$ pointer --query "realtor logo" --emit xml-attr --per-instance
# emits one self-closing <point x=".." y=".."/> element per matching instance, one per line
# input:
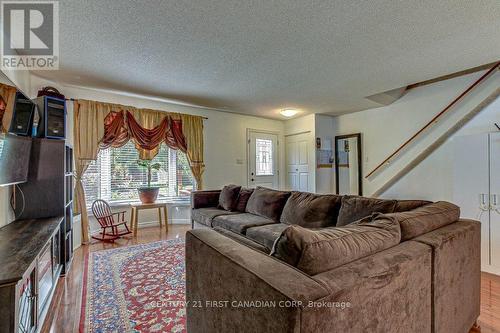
<point x="30" y="35"/>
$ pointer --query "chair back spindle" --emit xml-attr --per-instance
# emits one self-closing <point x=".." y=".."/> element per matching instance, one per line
<point x="110" y="228"/>
<point x="102" y="213"/>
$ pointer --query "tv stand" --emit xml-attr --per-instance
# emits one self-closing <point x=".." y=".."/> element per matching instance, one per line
<point x="31" y="262"/>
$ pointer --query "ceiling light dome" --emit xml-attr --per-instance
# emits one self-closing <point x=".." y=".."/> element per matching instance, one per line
<point x="288" y="112"/>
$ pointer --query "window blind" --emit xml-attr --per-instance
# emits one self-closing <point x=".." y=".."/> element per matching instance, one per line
<point x="115" y="175"/>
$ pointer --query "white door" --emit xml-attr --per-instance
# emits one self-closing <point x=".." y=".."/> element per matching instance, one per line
<point x="297" y="162"/>
<point x="495" y="202"/>
<point x="263" y="160"/>
<point x="471" y="185"/>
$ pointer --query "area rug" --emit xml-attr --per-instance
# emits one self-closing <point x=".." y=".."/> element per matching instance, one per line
<point x="137" y="288"/>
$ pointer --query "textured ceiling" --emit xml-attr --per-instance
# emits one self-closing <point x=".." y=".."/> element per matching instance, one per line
<point x="256" y="57"/>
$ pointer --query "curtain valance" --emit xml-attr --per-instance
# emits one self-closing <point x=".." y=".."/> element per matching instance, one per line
<point x="100" y="125"/>
<point x="120" y="127"/>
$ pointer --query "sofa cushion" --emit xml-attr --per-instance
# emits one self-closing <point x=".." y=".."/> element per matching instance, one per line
<point x="228" y="198"/>
<point x="245" y="194"/>
<point x="267" y="203"/>
<point x="311" y="210"/>
<point x="242" y="239"/>
<point x="316" y="251"/>
<point x="240" y="223"/>
<point x="354" y="208"/>
<point x="425" y="219"/>
<point x="406" y="205"/>
<point x="266" y="235"/>
<point x="206" y="215"/>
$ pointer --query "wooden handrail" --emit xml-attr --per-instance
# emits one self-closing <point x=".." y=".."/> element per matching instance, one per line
<point x="407" y="142"/>
<point x="436" y="144"/>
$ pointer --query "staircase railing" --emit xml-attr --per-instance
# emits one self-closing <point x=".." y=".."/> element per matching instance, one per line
<point x="434" y="120"/>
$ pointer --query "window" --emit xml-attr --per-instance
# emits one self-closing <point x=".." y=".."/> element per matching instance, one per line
<point x="115" y="175"/>
<point x="264" y="157"/>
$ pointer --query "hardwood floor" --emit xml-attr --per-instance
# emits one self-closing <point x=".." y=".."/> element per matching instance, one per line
<point x="66" y="305"/>
<point x="489" y="320"/>
<point x="65" y="308"/>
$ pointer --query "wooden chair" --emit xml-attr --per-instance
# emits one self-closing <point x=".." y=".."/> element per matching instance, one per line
<point x="106" y="219"/>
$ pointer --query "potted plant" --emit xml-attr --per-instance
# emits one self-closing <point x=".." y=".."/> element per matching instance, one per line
<point x="148" y="194"/>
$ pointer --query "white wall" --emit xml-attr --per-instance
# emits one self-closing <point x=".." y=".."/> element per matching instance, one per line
<point x="384" y="129"/>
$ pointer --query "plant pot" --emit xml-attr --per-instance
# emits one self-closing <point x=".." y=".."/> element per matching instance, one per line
<point x="148" y="195"/>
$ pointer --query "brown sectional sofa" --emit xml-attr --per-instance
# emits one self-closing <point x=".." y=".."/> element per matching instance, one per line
<point x="281" y="261"/>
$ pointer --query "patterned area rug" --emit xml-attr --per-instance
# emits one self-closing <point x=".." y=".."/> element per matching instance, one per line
<point x="137" y="288"/>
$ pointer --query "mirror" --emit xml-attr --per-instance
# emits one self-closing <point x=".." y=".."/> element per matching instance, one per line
<point x="348" y="164"/>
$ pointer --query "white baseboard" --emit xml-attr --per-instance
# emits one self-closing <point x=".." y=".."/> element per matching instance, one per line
<point x="491" y="269"/>
<point x="150" y="223"/>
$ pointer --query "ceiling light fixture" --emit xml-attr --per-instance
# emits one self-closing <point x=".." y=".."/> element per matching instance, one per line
<point x="288" y="112"/>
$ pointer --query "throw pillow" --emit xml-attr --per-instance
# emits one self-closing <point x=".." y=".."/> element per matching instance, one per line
<point x="228" y="198"/>
<point x="354" y="208"/>
<point x="245" y="194"/>
<point x="267" y="203"/>
<point x="311" y="210"/>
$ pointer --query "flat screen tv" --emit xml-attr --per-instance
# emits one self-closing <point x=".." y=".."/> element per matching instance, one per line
<point x="14" y="159"/>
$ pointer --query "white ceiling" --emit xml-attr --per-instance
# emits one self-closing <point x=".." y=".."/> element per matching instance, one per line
<point x="256" y="57"/>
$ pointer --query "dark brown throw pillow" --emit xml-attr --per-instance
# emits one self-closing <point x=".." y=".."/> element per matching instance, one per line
<point x="267" y="203"/>
<point x="311" y="210"/>
<point x="354" y="208"/>
<point x="228" y="198"/>
<point x="245" y="194"/>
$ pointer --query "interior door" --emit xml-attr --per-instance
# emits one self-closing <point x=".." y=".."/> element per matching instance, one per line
<point x="263" y="160"/>
<point x="494" y="148"/>
<point x="471" y="185"/>
<point x="297" y="162"/>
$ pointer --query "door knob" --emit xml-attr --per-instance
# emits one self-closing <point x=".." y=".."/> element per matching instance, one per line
<point x="252" y="179"/>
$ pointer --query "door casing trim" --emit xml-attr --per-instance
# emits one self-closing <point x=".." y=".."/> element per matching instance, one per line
<point x="253" y="130"/>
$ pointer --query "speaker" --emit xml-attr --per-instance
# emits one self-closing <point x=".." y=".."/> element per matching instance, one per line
<point x="42" y="195"/>
<point x="22" y="116"/>
<point x="52" y="118"/>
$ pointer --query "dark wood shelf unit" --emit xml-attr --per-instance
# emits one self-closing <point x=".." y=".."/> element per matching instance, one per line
<point x="31" y="265"/>
<point x="67" y="231"/>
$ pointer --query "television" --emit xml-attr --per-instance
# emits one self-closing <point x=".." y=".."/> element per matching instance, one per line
<point x="14" y="159"/>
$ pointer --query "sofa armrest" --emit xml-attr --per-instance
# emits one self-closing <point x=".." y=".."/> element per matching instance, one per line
<point x="389" y="291"/>
<point x="233" y="288"/>
<point x="203" y="199"/>
<point x="456" y="276"/>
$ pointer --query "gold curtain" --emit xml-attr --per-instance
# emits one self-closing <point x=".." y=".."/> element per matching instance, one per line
<point x="8" y="94"/>
<point x="89" y="118"/>
<point x="88" y="130"/>
<point x="192" y="127"/>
